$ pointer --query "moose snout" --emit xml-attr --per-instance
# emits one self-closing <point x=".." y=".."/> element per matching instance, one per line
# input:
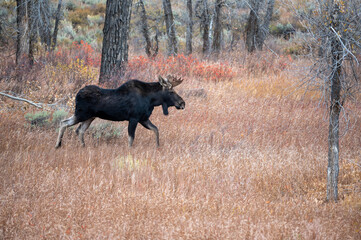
<point x="181" y="105"/>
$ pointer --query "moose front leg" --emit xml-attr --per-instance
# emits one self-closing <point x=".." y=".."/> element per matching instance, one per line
<point x="149" y="125"/>
<point x="131" y="131"/>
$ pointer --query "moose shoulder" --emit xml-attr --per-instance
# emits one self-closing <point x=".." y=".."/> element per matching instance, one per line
<point x="133" y="101"/>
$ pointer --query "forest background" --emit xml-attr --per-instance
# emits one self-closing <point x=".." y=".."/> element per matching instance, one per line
<point x="246" y="159"/>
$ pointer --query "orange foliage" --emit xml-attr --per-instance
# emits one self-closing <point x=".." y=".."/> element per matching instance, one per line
<point x="79" y="50"/>
<point x="183" y="66"/>
<point x="214" y="72"/>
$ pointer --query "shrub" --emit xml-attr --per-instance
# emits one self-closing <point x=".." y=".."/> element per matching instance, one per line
<point x="79" y="50"/>
<point x="276" y="29"/>
<point x="58" y="116"/>
<point x="79" y="16"/>
<point x="214" y="72"/>
<point x="296" y="49"/>
<point x="85" y="52"/>
<point x="39" y="119"/>
<point x="93" y="2"/>
<point x="95" y="20"/>
<point x="183" y="66"/>
<point x="106" y="131"/>
<point x="281" y="29"/>
<point x="68" y="31"/>
<point x="99" y="8"/>
<point x="70" y="5"/>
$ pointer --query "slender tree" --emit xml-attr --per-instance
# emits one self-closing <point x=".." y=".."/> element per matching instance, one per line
<point x="216" y="46"/>
<point x="115" y="40"/>
<point x="33" y="21"/>
<point x="234" y="24"/>
<point x="257" y="27"/>
<point x="144" y="28"/>
<point x="202" y="12"/>
<point x="335" y="108"/>
<point x="189" y="33"/>
<point x="150" y="50"/>
<point x="21" y="40"/>
<point x="333" y="27"/>
<point x="56" y="26"/>
<point x="170" y="28"/>
<point x="252" y="26"/>
<point x="43" y="18"/>
<point x="263" y="30"/>
<point x="32" y="33"/>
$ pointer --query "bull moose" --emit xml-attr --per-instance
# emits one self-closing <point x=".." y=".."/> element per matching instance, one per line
<point x="133" y="101"/>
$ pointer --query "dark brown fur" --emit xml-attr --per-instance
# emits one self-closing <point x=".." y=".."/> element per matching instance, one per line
<point x="133" y="101"/>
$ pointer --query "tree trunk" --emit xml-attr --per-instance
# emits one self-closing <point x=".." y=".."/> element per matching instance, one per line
<point x="115" y="40"/>
<point x="335" y="109"/>
<point x="21" y="41"/>
<point x="235" y="37"/>
<point x="156" y="47"/>
<point x="44" y="22"/>
<point x="32" y="30"/>
<point x="333" y="146"/>
<point x="145" y="32"/>
<point x="144" y="28"/>
<point x="169" y="21"/>
<point x="264" y="30"/>
<point x="252" y="27"/>
<point x="57" y="20"/>
<point x="217" y="27"/>
<point x="189" y="34"/>
<point x="206" y="45"/>
<point x="210" y="31"/>
<point x="202" y="12"/>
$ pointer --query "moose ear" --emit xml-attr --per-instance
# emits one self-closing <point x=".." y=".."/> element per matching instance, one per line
<point x="164" y="82"/>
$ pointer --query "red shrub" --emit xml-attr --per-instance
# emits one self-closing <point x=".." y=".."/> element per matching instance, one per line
<point x="79" y="50"/>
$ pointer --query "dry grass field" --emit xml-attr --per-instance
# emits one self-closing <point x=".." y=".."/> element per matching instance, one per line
<point x="245" y="160"/>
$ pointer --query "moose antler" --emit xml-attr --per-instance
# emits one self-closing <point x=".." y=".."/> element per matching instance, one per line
<point x="174" y="80"/>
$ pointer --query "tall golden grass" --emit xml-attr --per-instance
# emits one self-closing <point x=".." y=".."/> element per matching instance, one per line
<point x="248" y="161"/>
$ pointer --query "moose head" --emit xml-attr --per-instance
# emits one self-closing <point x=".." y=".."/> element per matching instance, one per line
<point x="170" y="97"/>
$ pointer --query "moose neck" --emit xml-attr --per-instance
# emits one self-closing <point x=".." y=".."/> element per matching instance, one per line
<point x="157" y="98"/>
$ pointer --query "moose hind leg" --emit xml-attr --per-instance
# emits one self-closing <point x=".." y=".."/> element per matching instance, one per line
<point x="82" y="128"/>
<point x="149" y="125"/>
<point x="78" y="128"/>
<point x="63" y="125"/>
<point x="131" y="131"/>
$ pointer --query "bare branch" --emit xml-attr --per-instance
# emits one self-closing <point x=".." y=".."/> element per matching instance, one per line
<point x="21" y="99"/>
<point x="343" y="45"/>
